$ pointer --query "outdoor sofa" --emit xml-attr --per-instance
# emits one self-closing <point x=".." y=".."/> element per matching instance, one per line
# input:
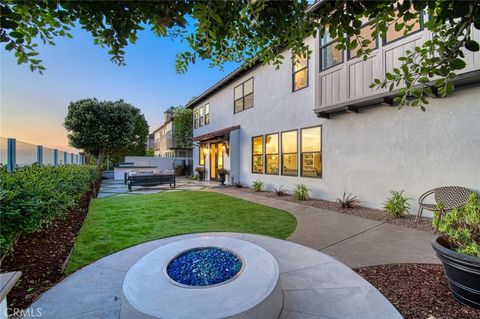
<point x="150" y="178"/>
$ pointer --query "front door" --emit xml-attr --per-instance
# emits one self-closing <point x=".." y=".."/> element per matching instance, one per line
<point x="216" y="160"/>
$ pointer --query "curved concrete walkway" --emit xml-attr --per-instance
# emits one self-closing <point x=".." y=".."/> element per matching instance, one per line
<point x="314" y="285"/>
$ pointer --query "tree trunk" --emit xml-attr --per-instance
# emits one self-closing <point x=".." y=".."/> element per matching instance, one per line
<point x="101" y="157"/>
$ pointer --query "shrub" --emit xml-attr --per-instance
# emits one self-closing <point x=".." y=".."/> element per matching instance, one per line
<point x="281" y="191"/>
<point x="397" y="205"/>
<point x="301" y="192"/>
<point x="347" y="201"/>
<point x="257" y="186"/>
<point x="200" y="169"/>
<point x="32" y="196"/>
<point x="461" y="227"/>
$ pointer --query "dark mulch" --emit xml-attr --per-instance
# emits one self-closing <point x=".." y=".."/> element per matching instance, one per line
<point x="419" y="291"/>
<point x="408" y="221"/>
<point x="40" y="256"/>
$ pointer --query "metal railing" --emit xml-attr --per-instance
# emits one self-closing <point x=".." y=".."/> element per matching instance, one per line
<point x="15" y="154"/>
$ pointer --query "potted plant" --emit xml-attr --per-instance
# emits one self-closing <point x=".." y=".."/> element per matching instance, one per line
<point x="458" y="247"/>
<point x="222" y="173"/>
<point x="201" y="172"/>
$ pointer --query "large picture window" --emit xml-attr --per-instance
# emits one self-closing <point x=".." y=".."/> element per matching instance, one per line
<point x="243" y="96"/>
<point x="365" y="34"/>
<point x="300" y="73"/>
<point x="289" y="153"/>
<point x="201" y="153"/>
<point x="393" y="35"/>
<point x="311" y="151"/>
<point x="271" y="154"/>
<point x="329" y="54"/>
<point x="257" y="154"/>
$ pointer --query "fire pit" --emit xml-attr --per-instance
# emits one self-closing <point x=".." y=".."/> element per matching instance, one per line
<point x="204" y="277"/>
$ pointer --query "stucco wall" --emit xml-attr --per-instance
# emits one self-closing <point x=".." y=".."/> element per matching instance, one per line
<point x="368" y="154"/>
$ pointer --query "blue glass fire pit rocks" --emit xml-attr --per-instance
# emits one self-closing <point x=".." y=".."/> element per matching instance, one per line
<point x="204" y="267"/>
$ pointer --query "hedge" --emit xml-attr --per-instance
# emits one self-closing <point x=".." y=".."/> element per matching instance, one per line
<point x="33" y="196"/>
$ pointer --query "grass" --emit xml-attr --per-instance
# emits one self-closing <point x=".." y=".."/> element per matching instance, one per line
<point x="119" y="222"/>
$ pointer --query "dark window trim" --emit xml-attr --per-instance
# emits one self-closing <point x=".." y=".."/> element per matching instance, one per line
<point x="320" y="55"/>
<point x="243" y="96"/>
<point x="282" y="153"/>
<point x="321" y="153"/>
<point x="295" y="72"/>
<point x="376" y="42"/>
<point x="263" y="154"/>
<point x="421" y="21"/>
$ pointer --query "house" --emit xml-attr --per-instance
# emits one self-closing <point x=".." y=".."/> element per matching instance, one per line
<point x="164" y="142"/>
<point x="317" y="122"/>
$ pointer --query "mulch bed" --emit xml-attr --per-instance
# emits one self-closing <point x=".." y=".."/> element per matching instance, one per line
<point x="418" y="291"/>
<point x="40" y="256"/>
<point x="408" y="221"/>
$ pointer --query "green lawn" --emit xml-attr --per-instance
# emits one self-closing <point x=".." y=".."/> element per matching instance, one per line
<point x="119" y="222"/>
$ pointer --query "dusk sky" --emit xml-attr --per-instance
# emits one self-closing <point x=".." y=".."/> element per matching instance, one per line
<point x="33" y="106"/>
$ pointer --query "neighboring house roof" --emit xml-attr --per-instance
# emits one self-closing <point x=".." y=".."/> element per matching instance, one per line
<point x="214" y="134"/>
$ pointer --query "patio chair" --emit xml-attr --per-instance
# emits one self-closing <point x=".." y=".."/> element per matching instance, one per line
<point x="450" y="196"/>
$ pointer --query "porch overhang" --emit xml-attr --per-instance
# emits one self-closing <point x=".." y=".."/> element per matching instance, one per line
<point x="223" y="133"/>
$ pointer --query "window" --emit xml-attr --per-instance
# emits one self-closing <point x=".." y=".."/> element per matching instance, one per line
<point x="300" y="73"/>
<point x="200" y="116"/>
<point x="195" y="119"/>
<point x="257" y="154"/>
<point x="207" y="114"/>
<point x="243" y="96"/>
<point x="271" y="154"/>
<point x="201" y="154"/>
<point x="393" y="35"/>
<point x="289" y="153"/>
<point x="311" y="148"/>
<point x="329" y="55"/>
<point x="365" y="34"/>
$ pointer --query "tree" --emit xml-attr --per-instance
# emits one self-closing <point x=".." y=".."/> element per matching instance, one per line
<point x="255" y="30"/>
<point x="150" y="152"/>
<point x="101" y="127"/>
<point x="183" y="130"/>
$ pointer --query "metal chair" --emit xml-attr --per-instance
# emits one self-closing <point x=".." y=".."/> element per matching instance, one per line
<point x="450" y="196"/>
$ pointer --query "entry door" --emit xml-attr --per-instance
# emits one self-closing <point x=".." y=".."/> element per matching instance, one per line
<point x="216" y="160"/>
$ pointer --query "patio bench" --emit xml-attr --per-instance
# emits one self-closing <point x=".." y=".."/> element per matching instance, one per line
<point x="450" y="196"/>
<point x="150" y="180"/>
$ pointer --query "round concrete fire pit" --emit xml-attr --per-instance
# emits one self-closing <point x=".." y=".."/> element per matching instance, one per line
<point x="203" y="277"/>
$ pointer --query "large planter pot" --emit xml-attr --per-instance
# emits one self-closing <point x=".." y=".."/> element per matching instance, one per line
<point x="462" y="272"/>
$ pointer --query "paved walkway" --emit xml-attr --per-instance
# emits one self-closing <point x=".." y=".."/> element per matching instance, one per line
<point x="314" y="285"/>
<point x="354" y="240"/>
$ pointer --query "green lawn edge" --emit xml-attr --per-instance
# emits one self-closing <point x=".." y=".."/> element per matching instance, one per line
<point x="119" y="222"/>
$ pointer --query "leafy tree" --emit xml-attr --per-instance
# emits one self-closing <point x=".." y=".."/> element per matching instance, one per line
<point x="183" y="130"/>
<point x="102" y="127"/>
<point x="150" y="152"/>
<point x="255" y="30"/>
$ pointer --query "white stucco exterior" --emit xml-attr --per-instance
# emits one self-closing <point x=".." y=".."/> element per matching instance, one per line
<point x="368" y="154"/>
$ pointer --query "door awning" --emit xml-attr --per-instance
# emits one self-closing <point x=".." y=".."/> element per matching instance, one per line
<point x="215" y="134"/>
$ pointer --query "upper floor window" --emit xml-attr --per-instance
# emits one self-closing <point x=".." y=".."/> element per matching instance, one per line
<point x="243" y="96"/>
<point x="413" y="26"/>
<point x="329" y="54"/>
<point x="289" y="153"/>
<point x="271" y="154"/>
<point x="311" y="151"/>
<point x="195" y="118"/>
<point x="257" y="154"/>
<point x="200" y="116"/>
<point x="300" y="72"/>
<point x="365" y="34"/>
<point x="207" y="113"/>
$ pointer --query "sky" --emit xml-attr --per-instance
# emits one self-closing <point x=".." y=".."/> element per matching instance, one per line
<point x="33" y="106"/>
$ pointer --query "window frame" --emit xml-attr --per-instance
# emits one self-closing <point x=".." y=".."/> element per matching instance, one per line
<point x="349" y="57"/>
<point x="243" y="95"/>
<point x="295" y="72"/>
<point x="195" y="118"/>
<point x="262" y="155"/>
<point x="265" y="153"/>
<point x="282" y="153"/>
<point x="321" y="153"/>
<point x="206" y="115"/>
<point x="321" y="47"/>
<point x="200" y="116"/>
<point x="421" y="20"/>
